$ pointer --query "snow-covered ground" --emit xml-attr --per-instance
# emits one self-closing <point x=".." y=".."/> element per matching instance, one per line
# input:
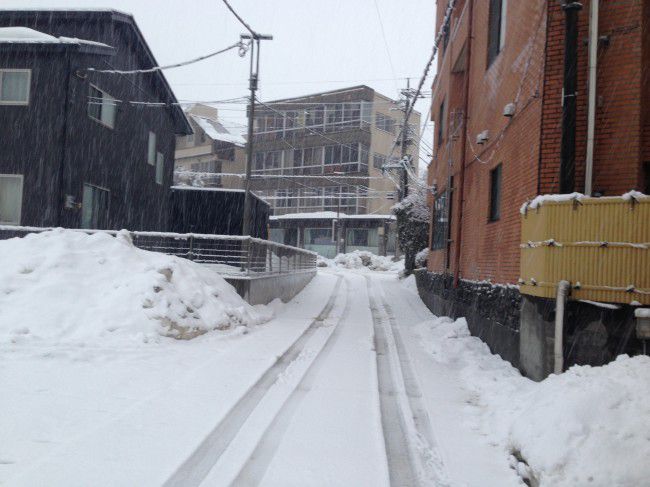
<point x="353" y="382"/>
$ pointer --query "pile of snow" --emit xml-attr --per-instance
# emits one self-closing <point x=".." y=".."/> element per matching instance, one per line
<point x="360" y="259"/>
<point x="588" y="426"/>
<point x="66" y="286"/>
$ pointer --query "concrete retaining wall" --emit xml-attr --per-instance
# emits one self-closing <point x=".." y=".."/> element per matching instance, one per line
<point x="263" y="290"/>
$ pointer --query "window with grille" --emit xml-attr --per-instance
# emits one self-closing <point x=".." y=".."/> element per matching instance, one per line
<point x="495" y="193"/>
<point x="496" y="29"/>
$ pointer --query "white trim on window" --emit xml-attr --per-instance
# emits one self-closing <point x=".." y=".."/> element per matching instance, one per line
<point x="17" y="218"/>
<point x="29" y="84"/>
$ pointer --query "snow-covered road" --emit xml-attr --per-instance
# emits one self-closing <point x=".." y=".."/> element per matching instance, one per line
<point x="352" y="383"/>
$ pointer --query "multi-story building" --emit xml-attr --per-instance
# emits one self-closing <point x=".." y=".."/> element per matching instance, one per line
<point x="319" y="160"/>
<point x="528" y="100"/>
<point x="202" y="158"/>
<point x="75" y="151"/>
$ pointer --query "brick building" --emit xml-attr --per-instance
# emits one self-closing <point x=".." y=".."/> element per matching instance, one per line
<point x="498" y="109"/>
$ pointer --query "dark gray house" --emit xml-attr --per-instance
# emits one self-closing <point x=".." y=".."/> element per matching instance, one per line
<point x="75" y="151"/>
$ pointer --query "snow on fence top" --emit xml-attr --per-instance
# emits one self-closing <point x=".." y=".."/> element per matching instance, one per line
<point x="538" y="201"/>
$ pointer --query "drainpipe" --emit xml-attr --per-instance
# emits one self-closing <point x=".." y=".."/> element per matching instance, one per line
<point x="591" y="110"/>
<point x="64" y="143"/>
<point x="563" y="288"/>
<point x="568" y="153"/>
<point x="463" y="156"/>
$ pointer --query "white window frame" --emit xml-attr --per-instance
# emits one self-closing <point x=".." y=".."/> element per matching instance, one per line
<point x="151" y="148"/>
<point x="29" y="87"/>
<point x="20" y="177"/>
<point x="99" y="120"/>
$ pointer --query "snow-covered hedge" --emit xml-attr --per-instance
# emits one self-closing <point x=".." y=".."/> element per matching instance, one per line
<point x="64" y="286"/>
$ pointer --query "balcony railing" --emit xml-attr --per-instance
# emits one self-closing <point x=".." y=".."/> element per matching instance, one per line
<point x="600" y="245"/>
<point x="232" y="256"/>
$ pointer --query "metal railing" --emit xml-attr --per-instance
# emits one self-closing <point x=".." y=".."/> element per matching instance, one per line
<point x="229" y="255"/>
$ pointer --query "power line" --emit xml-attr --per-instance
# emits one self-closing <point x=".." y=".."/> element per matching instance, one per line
<point x="383" y="34"/>
<point x="241" y="21"/>
<point x="243" y="47"/>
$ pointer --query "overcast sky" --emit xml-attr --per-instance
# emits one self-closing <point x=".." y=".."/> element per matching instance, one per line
<point x="318" y="44"/>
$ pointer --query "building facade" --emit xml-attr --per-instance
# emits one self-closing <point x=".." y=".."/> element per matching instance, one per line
<point x="322" y="156"/>
<point x="211" y="155"/>
<point x="79" y="153"/>
<point x="512" y="114"/>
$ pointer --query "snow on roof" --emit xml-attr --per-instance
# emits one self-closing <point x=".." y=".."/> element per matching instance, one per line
<point x="25" y="35"/>
<point x="216" y="131"/>
<point x="222" y="190"/>
<point x="326" y="215"/>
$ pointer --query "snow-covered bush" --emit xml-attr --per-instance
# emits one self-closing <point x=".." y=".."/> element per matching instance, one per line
<point x="413" y="217"/>
<point x="421" y="258"/>
<point x="360" y="259"/>
<point x="65" y="286"/>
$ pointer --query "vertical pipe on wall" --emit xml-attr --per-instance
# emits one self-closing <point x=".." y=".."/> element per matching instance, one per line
<point x="568" y="151"/>
<point x="591" y="111"/>
<point x="463" y="143"/>
<point x="558" y="343"/>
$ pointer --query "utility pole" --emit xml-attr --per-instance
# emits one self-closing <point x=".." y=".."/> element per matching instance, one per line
<point x="408" y="95"/>
<point x="253" y="82"/>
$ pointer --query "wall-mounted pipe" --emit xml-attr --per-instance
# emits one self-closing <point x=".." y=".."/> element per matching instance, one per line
<point x="591" y="108"/>
<point x="563" y="288"/>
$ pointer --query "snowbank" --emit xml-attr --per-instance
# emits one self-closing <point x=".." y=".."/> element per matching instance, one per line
<point x="588" y="426"/>
<point x="360" y="259"/>
<point x="64" y="286"/>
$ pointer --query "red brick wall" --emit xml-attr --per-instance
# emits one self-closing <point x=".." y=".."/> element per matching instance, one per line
<point x="490" y="250"/>
<point x="618" y="148"/>
<point x="531" y="69"/>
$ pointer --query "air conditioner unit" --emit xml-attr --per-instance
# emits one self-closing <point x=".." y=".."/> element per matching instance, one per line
<point x="509" y="110"/>
<point x="483" y="137"/>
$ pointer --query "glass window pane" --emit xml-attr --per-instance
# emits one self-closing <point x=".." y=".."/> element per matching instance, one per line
<point x="15" y="86"/>
<point x="11" y="199"/>
<point x="160" y="167"/>
<point x="151" y="155"/>
<point x="109" y="109"/>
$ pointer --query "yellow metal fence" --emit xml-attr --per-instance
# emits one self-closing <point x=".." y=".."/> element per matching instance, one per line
<point x="600" y="245"/>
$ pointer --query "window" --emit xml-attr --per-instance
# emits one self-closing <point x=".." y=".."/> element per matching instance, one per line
<point x="11" y="198"/>
<point x="385" y="123"/>
<point x="14" y="86"/>
<point x="440" y="221"/>
<point x="378" y="161"/>
<point x="333" y="154"/>
<point x="358" y="237"/>
<point x="495" y="193"/>
<point x="189" y="139"/>
<point x="496" y="29"/>
<point x="318" y="236"/>
<point x="160" y="167"/>
<point x="102" y="107"/>
<point x="151" y="152"/>
<point x="94" y="213"/>
<point x="441" y="123"/>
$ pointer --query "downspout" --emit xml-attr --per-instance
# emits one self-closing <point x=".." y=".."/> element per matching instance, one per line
<point x="563" y="288"/>
<point x="568" y="152"/>
<point x="64" y="143"/>
<point x="463" y="160"/>
<point x="591" y="110"/>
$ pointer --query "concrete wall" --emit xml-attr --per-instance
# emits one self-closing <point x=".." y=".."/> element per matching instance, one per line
<point x="263" y="290"/>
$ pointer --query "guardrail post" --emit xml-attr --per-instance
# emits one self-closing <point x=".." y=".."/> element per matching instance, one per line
<point x="249" y="257"/>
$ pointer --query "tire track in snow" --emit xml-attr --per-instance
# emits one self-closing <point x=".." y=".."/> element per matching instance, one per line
<point x="195" y="468"/>
<point x="253" y="471"/>
<point x="413" y="458"/>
